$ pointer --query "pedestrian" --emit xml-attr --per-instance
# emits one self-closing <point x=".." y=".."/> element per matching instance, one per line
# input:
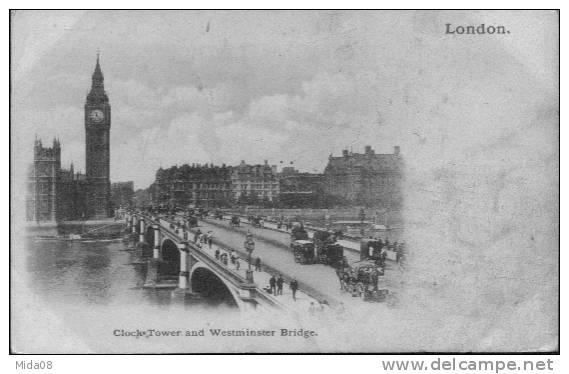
<point x="280" y="282"/>
<point x="237" y="263"/>
<point x="383" y="255"/>
<point x="294" y="288"/>
<point x="340" y="311"/>
<point x="346" y="281"/>
<point x="312" y="308"/>
<point x="258" y="264"/>
<point x="375" y="279"/>
<point x="273" y="284"/>
<point x="209" y="238"/>
<point x="248" y="236"/>
<point x="217" y="254"/>
<point x="232" y="256"/>
<point x="197" y="236"/>
<point x="340" y="274"/>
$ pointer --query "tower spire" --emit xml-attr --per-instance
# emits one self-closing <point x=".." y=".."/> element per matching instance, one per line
<point x="97" y="75"/>
<point x="97" y="94"/>
<point x="97" y="146"/>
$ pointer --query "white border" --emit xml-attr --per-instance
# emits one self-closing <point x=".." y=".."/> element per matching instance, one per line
<point x="240" y="364"/>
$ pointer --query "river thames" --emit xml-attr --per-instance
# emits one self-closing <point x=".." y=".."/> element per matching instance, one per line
<point x="80" y="293"/>
<point x="90" y="274"/>
<point x="87" y="297"/>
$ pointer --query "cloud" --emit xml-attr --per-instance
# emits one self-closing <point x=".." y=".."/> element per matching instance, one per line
<point x="201" y="98"/>
<point x="63" y="122"/>
<point x="241" y="141"/>
<point x="133" y="93"/>
<point x="270" y="110"/>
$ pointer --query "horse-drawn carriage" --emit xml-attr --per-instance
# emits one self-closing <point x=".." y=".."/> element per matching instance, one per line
<point x="202" y="213"/>
<point x="256" y="221"/>
<point x="218" y="214"/>
<point x="235" y="221"/>
<point x="328" y="251"/>
<point x="303" y="251"/>
<point x="192" y="221"/>
<point x="331" y="254"/>
<point x="371" y="249"/>
<point x="298" y="233"/>
<point x="361" y="279"/>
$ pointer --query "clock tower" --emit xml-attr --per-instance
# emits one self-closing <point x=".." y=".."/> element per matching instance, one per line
<point x="97" y="152"/>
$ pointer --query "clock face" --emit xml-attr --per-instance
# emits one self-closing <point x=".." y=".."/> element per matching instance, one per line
<point x="97" y="115"/>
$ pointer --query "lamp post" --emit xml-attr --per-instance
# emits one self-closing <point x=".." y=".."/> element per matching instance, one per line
<point x="386" y="221"/>
<point x="249" y="247"/>
<point x="362" y="219"/>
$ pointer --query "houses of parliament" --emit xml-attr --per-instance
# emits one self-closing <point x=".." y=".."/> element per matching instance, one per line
<point x="56" y="194"/>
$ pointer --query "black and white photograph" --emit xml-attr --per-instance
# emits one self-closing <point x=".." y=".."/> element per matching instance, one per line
<point x="284" y="181"/>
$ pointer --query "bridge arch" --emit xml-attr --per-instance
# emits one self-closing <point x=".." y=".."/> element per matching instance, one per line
<point x="149" y="235"/>
<point x="137" y="225"/>
<point x="170" y="265"/>
<point x="212" y="287"/>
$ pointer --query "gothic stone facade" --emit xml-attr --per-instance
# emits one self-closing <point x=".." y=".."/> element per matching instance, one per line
<point x="55" y="194"/>
<point x="255" y="183"/>
<point x="367" y="179"/>
<point x="199" y="185"/>
<point x="300" y="189"/>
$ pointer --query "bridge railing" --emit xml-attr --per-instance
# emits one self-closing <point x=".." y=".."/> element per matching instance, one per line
<point x="348" y="242"/>
<point x="202" y="255"/>
<point x="223" y="271"/>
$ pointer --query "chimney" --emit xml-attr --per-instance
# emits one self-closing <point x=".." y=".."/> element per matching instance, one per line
<point x="396" y="150"/>
<point x="368" y="150"/>
<point x="345" y="153"/>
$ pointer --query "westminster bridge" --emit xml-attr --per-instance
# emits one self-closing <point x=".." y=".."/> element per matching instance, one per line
<point x="192" y="270"/>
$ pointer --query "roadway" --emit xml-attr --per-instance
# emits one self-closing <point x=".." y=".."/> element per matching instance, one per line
<point x="302" y="301"/>
<point x="349" y="244"/>
<point x="273" y="247"/>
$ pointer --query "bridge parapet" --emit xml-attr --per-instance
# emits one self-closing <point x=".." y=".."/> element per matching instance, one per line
<point x="244" y="291"/>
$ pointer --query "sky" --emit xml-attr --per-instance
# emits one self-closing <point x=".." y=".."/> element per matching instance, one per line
<point x="476" y="117"/>
<point x="223" y="87"/>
